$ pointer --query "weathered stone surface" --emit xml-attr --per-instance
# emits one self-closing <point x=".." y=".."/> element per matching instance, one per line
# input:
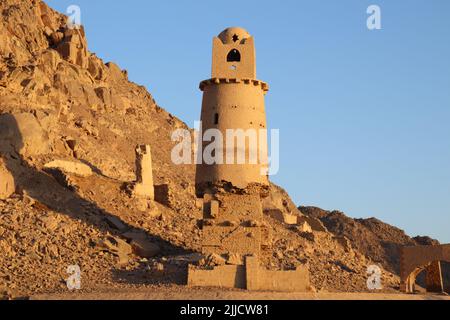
<point x="115" y="72"/>
<point x="22" y="133"/>
<point x="344" y="242"/>
<point x="414" y="259"/>
<point x="246" y="98"/>
<point x="251" y="277"/>
<point x="73" y="47"/>
<point x="50" y="222"/>
<point x="283" y="217"/>
<point x="215" y="259"/>
<point x="144" y="175"/>
<point x="118" y="247"/>
<point x="116" y="223"/>
<point x="304" y="227"/>
<point x="141" y="245"/>
<point x="7" y="183"/>
<point x="50" y="60"/>
<point x="145" y="249"/>
<point x="235" y="259"/>
<point x="434" y="277"/>
<point x="96" y="68"/>
<point x="164" y="195"/>
<point x="76" y="168"/>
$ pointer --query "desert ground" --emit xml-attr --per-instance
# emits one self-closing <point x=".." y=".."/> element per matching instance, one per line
<point x="184" y="293"/>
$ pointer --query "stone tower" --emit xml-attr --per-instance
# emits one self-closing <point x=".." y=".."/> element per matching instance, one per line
<point x="234" y="99"/>
<point x="234" y="232"/>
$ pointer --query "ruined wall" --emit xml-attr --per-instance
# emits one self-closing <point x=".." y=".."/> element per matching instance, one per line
<point x="415" y="259"/>
<point x="223" y="276"/>
<point x="251" y="277"/>
<point x="144" y="173"/>
<point x="232" y="224"/>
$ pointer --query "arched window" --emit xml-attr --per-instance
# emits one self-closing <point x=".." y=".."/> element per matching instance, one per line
<point x="234" y="56"/>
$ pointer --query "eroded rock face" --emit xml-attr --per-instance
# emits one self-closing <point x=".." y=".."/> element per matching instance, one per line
<point x="73" y="46"/>
<point x="7" y="185"/>
<point x="23" y="134"/>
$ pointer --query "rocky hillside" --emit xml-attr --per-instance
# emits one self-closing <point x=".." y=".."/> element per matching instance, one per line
<point x="69" y="125"/>
<point x="372" y="237"/>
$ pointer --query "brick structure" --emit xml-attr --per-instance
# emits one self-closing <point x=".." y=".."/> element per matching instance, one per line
<point x="231" y="192"/>
<point x="414" y="260"/>
<point x="233" y="99"/>
<point x="232" y="224"/>
<point x="251" y="277"/>
<point x="143" y="187"/>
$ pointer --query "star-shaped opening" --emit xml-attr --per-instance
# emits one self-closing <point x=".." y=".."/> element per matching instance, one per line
<point x="235" y="38"/>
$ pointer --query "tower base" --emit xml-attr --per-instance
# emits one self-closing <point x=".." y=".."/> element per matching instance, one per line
<point x="250" y="277"/>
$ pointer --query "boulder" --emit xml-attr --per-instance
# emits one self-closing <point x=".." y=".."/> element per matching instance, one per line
<point x="118" y="247"/>
<point x="76" y="168"/>
<point x="23" y="134"/>
<point x="141" y="245"/>
<point x="144" y="248"/>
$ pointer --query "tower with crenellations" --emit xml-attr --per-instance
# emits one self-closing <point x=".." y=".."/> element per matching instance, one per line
<point x="233" y="103"/>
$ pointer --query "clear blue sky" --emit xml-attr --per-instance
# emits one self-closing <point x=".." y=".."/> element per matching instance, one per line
<point x="364" y="116"/>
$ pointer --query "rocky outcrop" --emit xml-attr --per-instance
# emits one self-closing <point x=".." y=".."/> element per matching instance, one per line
<point x="22" y="133"/>
<point x="372" y="237"/>
<point x="377" y="240"/>
<point x="72" y="46"/>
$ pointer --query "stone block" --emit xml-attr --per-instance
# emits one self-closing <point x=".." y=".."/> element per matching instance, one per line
<point x="251" y="277"/>
<point x="224" y="240"/>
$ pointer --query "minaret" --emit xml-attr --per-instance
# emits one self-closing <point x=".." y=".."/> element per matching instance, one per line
<point x="233" y="226"/>
<point x="234" y="99"/>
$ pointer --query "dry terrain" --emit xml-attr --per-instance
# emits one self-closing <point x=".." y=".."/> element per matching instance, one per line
<point x="60" y="102"/>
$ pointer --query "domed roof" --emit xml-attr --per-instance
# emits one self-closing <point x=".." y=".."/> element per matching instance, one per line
<point x="233" y="35"/>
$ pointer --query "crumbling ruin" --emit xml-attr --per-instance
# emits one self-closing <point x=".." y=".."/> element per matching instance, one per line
<point x="232" y="193"/>
<point x="143" y="187"/>
<point x="416" y="259"/>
